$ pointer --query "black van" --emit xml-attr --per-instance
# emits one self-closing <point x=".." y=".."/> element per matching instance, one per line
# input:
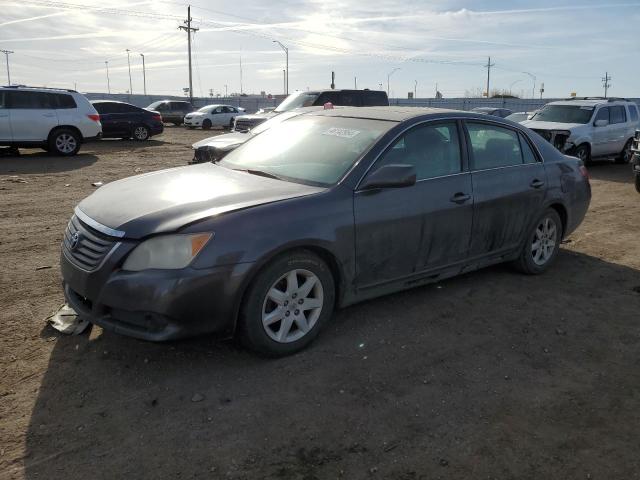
<point x="172" y="111"/>
<point x="347" y="98"/>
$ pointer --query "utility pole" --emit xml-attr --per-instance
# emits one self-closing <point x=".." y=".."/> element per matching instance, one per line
<point x="6" y="54"/>
<point x="188" y="28"/>
<point x="488" y="67"/>
<point x="240" y="75"/>
<point x="286" y="53"/>
<point x="144" y="74"/>
<point x="284" y="81"/>
<point x="355" y="83"/>
<point x="436" y="95"/>
<point x="605" y="83"/>
<point x="129" y="63"/>
<point x="415" y="89"/>
<point x="106" y="64"/>
<point x="225" y="92"/>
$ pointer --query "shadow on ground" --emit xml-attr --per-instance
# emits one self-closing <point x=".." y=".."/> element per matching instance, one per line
<point x="42" y="162"/>
<point x="492" y="374"/>
<point x="608" y="171"/>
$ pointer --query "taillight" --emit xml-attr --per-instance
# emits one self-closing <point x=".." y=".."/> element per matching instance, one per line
<point x="157" y="116"/>
<point x="94" y="116"/>
<point x="584" y="172"/>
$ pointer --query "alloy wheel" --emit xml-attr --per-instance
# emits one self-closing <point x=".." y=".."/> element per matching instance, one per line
<point x="65" y="143"/>
<point x="141" y="133"/>
<point x="544" y="242"/>
<point x="292" y="306"/>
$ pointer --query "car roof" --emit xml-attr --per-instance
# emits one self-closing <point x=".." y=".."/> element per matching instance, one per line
<point x="591" y="102"/>
<point x="110" y="101"/>
<point x="37" y="89"/>
<point x="315" y="92"/>
<point x="393" y="114"/>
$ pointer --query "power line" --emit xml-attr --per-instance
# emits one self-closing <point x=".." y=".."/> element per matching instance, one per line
<point x="606" y="83"/>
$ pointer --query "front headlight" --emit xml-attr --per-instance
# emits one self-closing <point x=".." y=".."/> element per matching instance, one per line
<point x="166" y="251"/>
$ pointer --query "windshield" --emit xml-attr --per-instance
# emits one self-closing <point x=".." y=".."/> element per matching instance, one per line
<point x="154" y="104"/>
<point x="564" y="114"/>
<point x="517" y="117"/>
<point x="313" y="150"/>
<point x="296" y="100"/>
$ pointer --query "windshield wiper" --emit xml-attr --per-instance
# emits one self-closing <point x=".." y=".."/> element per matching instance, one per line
<point x="262" y="173"/>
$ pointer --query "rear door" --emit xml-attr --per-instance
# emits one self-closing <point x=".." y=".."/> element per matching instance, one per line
<point x="31" y="114"/>
<point x="404" y="231"/>
<point x="5" y="125"/>
<point x="602" y="136"/>
<point x="620" y="131"/>
<point x="108" y="118"/>
<point x="509" y="184"/>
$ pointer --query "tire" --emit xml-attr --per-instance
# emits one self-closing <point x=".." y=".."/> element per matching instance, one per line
<point x="140" y="133"/>
<point x="273" y="319"/>
<point x="637" y="183"/>
<point x="626" y="154"/>
<point x="583" y="152"/>
<point x="547" y="234"/>
<point x="230" y="127"/>
<point x="64" y="142"/>
<point x="206" y="124"/>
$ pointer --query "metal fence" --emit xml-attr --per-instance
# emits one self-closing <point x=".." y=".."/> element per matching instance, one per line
<point x="253" y="103"/>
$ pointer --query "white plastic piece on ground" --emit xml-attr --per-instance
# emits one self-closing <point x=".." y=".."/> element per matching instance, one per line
<point x="67" y="321"/>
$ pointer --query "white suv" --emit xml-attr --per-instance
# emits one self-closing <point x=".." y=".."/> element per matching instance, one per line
<point x="589" y="127"/>
<point x="57" y="120"/>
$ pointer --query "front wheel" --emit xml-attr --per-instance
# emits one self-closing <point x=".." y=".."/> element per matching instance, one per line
<point x="287" y="304"/>
<point x="583" y="153"/>
<point x="206" y="125"/>
<point x="542" y="244"/>
<point x="64" y="142"/>
<point x="626" y="154"/>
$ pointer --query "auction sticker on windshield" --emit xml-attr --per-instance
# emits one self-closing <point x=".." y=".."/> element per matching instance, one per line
<point x="341" y="132"/>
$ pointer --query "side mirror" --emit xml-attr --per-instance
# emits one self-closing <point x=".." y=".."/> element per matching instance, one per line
<point x="390" y="176"/>
<point x="601" y="123"/>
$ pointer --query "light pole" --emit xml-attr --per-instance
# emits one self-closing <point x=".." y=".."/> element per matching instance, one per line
<point x="225" y="91"/>
<point x="129" y="63"/>
<point x="144" y="74"/>
<point x="6" y="54"/>
<point x="533" y="77"/>
<point x="286" y="53"/>
<point x="389" y="78"/>
<point x="415" y="89"/>
<point x="106" y="64"/>
<point x="284" y="81"/>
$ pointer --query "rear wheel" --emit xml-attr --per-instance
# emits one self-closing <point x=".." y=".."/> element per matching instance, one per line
<point x="206" y="124"/>
<point x="584" y="154"/>
<point x="140" y="133"/>
<point x="626" y="154"/>
<point x="287" y="304"/>
<point x="542" y="244"/>
<point x="64" y="141"/>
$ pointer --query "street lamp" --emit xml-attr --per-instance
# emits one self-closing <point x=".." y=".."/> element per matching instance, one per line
<point x="106" y="63"/>
<point x="512" y="84"/>
<point x="286" y="53"/>
<point x="129" y="63"/>
<point x="389" y="78"/>
<point x="144" y="74"/>
<point x="533" y="77"/>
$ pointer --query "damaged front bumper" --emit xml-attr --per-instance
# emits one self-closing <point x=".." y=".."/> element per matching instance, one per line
<point x="559" y="139"/>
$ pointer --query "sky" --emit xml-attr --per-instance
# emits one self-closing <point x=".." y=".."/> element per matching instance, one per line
<point x="567" y="45"/>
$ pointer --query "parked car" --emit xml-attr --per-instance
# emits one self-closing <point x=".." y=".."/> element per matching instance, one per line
<point x="214" y="148"/>
<point x="349" y="98"/>
<point x="54" y="119"/>
<point x="213" y="116"/>
<point x="635" y="161"/>
<point x="123" y="120"/>
<point x="322" y="210"/>
<point x="589" y="127"/>
<point x="172" y="111"/>
<point x="520" y="117"/>
<point x="496" y="112"/>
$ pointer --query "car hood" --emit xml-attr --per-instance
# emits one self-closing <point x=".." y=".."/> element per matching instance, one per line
<point x="166" y="200"/>
<point x="257" y="116"/>
<point x="221" y="142"/>
<point x="195" y="114"/>
<point x="533" y="124"/>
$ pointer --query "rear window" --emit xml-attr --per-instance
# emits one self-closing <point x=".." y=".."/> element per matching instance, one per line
<point x="375" y="99"/>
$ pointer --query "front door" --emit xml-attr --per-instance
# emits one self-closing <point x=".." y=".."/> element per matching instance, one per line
<point x="406" y="231"/>
<point x="509" y="184"/>
<point x="32" y="115"/>
<point x="5" y="125"/>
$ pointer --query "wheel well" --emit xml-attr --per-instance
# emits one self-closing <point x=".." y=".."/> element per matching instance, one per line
<point x="562" y="212"/>
<point x="69" y="127"/>
<point x="323" y="253"/>
<point x="585" y="144"/>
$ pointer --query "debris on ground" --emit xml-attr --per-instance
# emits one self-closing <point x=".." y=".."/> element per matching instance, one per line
<point x="97" y="184"/>
<point x="197" y="397"/>
<point x="44" y="267"/>
<point x="15" y="179"/>
<point x="67" y="321"/>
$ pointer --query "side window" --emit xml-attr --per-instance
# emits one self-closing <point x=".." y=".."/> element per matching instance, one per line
<point x="493" y="146"/>
<point x="163" y="107"/>
<point x="124" y="108"/>
<point x="527" y="152"/>
<point x="2" y="102"/>
<point x="28" y="100"/>
<point x="103" y="108"/>
<point x="618" y="114"/>
<point x="62" y="101"/>
<point x="603" y="114"/>
<point x="633" y="113"/>
<point x="226" y="110"/>
<point x="217" y="110"/>
<point x="432" y="149"/>
<point x="232" y="110"/>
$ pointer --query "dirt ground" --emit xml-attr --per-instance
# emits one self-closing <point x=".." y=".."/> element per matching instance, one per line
<point x="489" y="375"/>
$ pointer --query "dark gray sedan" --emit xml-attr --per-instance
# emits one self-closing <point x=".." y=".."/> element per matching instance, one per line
<point x="318" y="212"/>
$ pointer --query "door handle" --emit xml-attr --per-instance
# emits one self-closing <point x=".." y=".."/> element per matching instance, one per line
<point x="536" y="183"/>
<point x="460" y="198"/>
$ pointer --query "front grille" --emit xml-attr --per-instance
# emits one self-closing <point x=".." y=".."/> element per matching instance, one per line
<point x="243" y="125"/>
<point x="91" y="246"/>
<point x="202" y="155"/>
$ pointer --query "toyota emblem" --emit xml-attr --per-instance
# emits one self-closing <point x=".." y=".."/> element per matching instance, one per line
<point x="75" y="240"/>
